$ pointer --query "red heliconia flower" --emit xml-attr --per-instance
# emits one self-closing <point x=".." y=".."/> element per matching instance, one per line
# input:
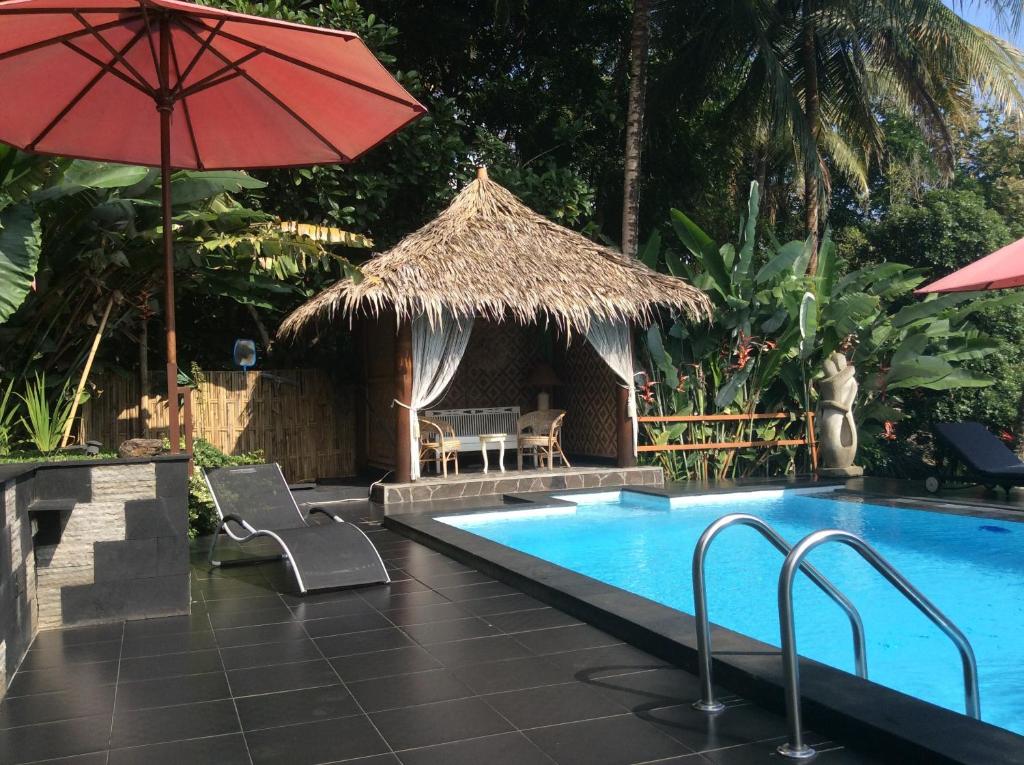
<point x="1007" y="437"/>
<point x="743" y="348"/>
<point x="889" y="431"/>
<point x="646" y="391"/>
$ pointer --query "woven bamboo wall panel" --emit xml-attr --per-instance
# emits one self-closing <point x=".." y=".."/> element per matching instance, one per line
<point x="297" y="418"/>
<point x="498" y="361"/>
<point x="589" y="396"/>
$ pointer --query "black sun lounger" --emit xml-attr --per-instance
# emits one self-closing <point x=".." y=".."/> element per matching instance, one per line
<point x="254" y="501"/>
<point x="986" y="458"/>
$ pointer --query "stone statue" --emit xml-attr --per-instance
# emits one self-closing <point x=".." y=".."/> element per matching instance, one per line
<point x="837" y="434"/>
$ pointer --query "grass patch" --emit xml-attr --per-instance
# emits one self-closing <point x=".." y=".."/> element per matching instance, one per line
<point x="18" y="458"/>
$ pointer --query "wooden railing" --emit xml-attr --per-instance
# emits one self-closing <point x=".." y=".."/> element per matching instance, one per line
<point x="808" y="440"/>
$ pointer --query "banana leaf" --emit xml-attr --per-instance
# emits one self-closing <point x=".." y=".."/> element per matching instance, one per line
<point x="808" y="324"/>
<point x="189" y="186"/>
<point x="650" y="252"/>
<point x="703" y="248"/>
<point x="749" y="228"/>
<point x="929" y="308"/>
<point x="103" y="175"/>
<point x="852" y="311"/>
<point x="783" y="262"/>
<point x="20" y="244"/>
<point x="727" y="394"/>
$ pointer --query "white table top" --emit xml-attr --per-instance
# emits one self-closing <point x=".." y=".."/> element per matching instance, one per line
<point x="492" y="436"/>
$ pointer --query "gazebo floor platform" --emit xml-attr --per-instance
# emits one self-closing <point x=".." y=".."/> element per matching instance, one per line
<point x="478" y="484"/>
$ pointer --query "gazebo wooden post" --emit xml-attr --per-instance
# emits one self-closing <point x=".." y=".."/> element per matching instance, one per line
<point x="403" y="395"/>
<point x="624" y="425"/>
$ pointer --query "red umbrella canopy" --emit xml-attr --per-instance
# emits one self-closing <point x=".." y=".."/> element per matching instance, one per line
<point x="1003" y="268"/>
<point x="86" y="78"/>
<point x="179" y="85"/>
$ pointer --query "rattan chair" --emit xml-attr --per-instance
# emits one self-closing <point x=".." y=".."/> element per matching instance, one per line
<point x="438" y="444"/>
<point x="539" y="434"/>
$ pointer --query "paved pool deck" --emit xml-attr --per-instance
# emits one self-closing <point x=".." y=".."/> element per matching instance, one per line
<point x="443" y="665"/>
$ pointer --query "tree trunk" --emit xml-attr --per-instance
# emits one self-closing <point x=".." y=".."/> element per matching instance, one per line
<point x="812" y="103"/>
<point x="639" y="49"/>
<point x="261" y="329"/>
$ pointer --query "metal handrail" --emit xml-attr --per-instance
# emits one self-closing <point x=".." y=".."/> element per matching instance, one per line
<point x="707" y="702"/>
<point x="795" y="747"/>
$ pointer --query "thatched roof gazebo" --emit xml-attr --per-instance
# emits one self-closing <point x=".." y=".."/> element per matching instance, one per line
<point x="489" y="256"/>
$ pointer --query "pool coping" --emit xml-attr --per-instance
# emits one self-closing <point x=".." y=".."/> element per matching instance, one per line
<point x="883" y="720"/>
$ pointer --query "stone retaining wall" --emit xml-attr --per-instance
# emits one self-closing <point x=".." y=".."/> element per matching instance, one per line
<point x="90" y="542"/>
<point x="433" y="489"/>
<point x="18" y="620"/>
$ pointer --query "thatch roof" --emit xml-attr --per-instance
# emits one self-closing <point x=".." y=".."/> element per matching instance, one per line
<point x="490" y="255"/>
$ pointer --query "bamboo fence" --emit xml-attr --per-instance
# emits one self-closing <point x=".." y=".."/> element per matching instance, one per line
<point x="298" y="418"/>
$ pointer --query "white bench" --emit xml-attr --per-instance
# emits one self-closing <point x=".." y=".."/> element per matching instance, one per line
<point x="469" y="424"/>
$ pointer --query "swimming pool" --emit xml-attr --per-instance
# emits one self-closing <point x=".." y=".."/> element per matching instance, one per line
<point x="972" y="568"/>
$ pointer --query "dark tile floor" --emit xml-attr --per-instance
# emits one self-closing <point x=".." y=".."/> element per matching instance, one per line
<point x="441" y="666"/>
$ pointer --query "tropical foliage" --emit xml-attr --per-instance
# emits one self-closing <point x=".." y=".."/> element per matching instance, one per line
<point x="775" y="323"/>
<point x="808" y="82"/>
<point x="8" y="411"/>
<point x="866" y="109"/>
<point x="80" y="234"/>
<point x="45" y="417"/>
<point x="202" y="513"/>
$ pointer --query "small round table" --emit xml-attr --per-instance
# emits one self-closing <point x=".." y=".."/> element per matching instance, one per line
<point x="488" y="439"/>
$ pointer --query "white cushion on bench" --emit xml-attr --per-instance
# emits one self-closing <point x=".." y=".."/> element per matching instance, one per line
<point x="469" y="424"/>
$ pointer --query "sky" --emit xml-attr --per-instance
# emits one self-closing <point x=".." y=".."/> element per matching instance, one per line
<point x="980" y="14"/>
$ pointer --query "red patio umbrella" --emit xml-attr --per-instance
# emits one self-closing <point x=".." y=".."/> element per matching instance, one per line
<point x="182" y="86"/>
<point x="1003" y="268"/>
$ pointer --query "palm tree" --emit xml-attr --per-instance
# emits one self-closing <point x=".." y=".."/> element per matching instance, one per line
<point x="848" y="61"/>
<point x="811" y="78"/>
<point x="639" y="50"/>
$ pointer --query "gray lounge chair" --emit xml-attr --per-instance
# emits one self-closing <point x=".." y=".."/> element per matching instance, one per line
<point x="255" y="500"/>
<point x="985" y="457"/>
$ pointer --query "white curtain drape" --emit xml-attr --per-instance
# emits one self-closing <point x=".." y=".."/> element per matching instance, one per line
<point x="611" y="341"/>
<point x="437" y="350"/>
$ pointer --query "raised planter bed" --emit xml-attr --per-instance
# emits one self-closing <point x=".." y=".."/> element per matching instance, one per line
<point x="88" y="542"/>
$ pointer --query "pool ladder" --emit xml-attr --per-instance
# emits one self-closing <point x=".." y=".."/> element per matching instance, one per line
<point x="795" y="748"/>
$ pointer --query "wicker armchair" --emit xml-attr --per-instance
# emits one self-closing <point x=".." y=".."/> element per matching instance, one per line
<point x="438" y="444"/>
<point x="539" y="434"/>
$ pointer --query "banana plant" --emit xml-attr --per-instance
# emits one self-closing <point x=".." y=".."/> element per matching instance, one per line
<point x="774" y="324"/>
<point x="73" y="234"/>
<point x="20" y="227"/>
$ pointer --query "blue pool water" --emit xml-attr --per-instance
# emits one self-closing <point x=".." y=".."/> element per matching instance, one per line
<point x="971" y="568"/>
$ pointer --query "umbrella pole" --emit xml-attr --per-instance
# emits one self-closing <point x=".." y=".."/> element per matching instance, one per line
<point x="165" y="107"/>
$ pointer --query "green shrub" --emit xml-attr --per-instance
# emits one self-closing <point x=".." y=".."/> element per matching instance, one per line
<point x="16" y="457"/>
<point x="202" y="514"/>
<point x="774" y="325"/>
<point x="8" y="411"/>
<point x="44" y="425"/>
